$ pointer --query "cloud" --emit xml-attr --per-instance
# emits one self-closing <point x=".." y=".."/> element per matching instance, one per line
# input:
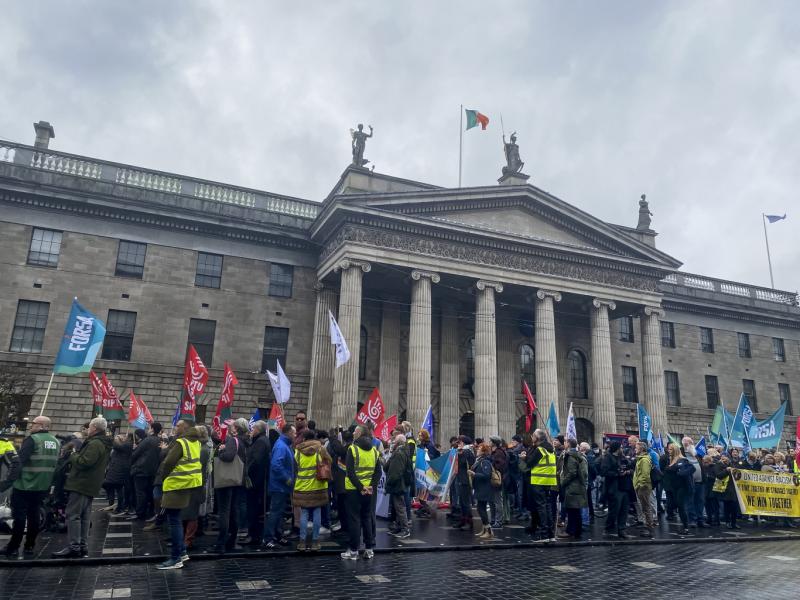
<point x="695" y="104"/>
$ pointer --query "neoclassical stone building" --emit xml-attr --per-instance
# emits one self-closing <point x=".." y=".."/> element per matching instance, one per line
<point x="449" y="297"/>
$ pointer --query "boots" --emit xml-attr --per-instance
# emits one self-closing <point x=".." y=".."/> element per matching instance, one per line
<point x="482" y="533"/>
<point x="486" y="534"/>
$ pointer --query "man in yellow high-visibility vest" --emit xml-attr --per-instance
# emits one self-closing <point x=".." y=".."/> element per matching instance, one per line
<point x="361" y="482"/>
<point x="540" y="464"/>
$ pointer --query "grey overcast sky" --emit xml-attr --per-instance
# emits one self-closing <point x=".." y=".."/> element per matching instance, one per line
<point x="694" y="103"/>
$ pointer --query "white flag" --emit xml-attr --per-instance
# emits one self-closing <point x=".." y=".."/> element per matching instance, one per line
<point x="337" y="339"/>
<point x="284" y="385"/>
<point x="571" y="433"/>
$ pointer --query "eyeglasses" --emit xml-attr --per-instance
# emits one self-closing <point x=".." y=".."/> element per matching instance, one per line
<point x="299" y="418"/>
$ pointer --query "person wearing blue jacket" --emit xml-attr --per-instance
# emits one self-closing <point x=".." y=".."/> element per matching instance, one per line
<point x="281" y="484"/>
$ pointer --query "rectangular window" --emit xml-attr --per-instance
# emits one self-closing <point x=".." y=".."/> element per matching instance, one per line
<point x="29" y="326"/>
<point x="778" y="349"/>
<point x="630" y="392"/>
<point x="749" y="389"/>
<point x="707" y="339"/>
<point x="119" y="335"/>
<point x="209" y="270"/>
<point x="276" y="341"/>
<point x="130" y="259"/>
<point x="626" y="329"/>
<point x="667" y="334"/>
<point x="201" y="336"/>
<point x="785" y="395"/>
<point x="280" y="280"/>
<point x="45" y="248"/>
<point x="673" y="388"/>
<point x="712" y="392"/>
<point x="744" y="345"/>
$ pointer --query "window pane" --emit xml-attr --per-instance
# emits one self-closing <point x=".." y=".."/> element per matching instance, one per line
<point x="29" y="326"/>
<point x="45" y="248"/>
<point x="672" y="388"/>
<point x="785" y="395"/>
<point x="778" y="349"/>
<point x="577" y="374"/>
<point x="629" y="391"/>
<point x="667" y="334"/>
<point x="201" y="336"/>
<point x="749" y="389"/>
<point x="706" y="339"/>
<point x="362" y="354"/>
<point x="118" y="342"/>
<point x="712" y="392"/>
<point x="744" y="345"/>
<point x="280" y="280"/>
<point x="130" y="259"/>
<point x="626" y="329"/>
<point x="527" y="367"/>
<point x="276" y="342"/>
<point x="209" y="270"/>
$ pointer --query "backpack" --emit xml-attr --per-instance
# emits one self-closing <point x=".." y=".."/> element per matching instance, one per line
<point x="497" y="478"/>
<point x="655" y="474"/>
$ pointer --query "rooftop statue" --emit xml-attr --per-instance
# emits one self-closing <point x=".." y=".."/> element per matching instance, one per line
<point x="359" y="143"/>
<point x="514" y="163"/>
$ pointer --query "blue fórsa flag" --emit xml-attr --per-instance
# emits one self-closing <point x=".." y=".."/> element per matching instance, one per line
<point x="427" y="424"/>
<point x="742" y="421"/>
<point x="700" y="447"/>
<point x="552" y="421"/>
<point x="767" y="433"/>
<point x="645" y="425"/>
<point x="82" y="339"/>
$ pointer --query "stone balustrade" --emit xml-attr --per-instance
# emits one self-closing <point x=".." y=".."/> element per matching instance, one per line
<point x="689" y="281"/>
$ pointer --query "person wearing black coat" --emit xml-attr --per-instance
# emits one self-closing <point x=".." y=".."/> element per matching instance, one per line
<point x="482" y="486"/>
<point x="228" y="497"/>
<point x="398" y="468"/>
<point x="722" y="474"/>
<point x="678" y="478"/>
<point x="257" y="466"/>
<point x="117" y="482"/>
<point x="464" y="461"/>
<point x="145" y="459"/>
<point x="617" y="473"/>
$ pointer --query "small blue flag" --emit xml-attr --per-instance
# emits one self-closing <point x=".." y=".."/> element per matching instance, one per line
<point x="427" y="424"/>
<point x="81" y="342"/>
<point x="700" y="447"/>
<point x="552" y="421"/>
<point x="774" y="218"/>
<point x="177" y="416"/>
<point x="657" y="445"/>
<point x="645" y="425"/>
<point x="255" y="417"/>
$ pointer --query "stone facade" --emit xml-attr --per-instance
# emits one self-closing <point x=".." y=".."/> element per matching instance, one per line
<point x="437" y="291"/>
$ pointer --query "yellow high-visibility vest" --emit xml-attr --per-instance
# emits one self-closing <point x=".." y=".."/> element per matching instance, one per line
<point x="544" y="473"/>
<point x="188" y="473"/>
<point x="364" y="461"/>
<point x="306" y="480"/>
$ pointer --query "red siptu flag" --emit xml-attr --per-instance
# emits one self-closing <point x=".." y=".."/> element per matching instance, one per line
<point x="276" y="415"/>
<point x="530" y="406"/>
<point x="138" y="410"/>
<point x="225" y="402"/>
<point x="372" y="410"/>
<point x="112" y="407"/>
<point x="97" y="392"/>
<point x="384" y="431"/>
<point x="195" y="377"/>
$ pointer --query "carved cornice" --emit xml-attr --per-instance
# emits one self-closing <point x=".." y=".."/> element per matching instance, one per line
<point x="349" y="263"/>
<point x="418" y="274"/>
<point x="730" y="314"/>
<point x="601" y="302"/>
<point x="542" y="294"/>
<point x="482" y="284"/>
<point x="545" y="263"/>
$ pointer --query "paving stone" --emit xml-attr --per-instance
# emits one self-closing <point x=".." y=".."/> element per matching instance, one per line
<point x="783" y="558"/>
<point x="121" y="534"/>
<point x="411" y="541"/>
<point x="475" y="573"/>
<point x="565" y="568"/>
<point x="104" y="593"/>
<point x="257" y="584"/>
<point x="117" y="550"/>
<point x="373" y="579"/>
<point x="647" y="565"/>
<point x="121" y="593"/>
<point x="718" y="561"/>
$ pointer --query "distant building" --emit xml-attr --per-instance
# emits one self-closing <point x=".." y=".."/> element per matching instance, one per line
<point x="445" y="296"/>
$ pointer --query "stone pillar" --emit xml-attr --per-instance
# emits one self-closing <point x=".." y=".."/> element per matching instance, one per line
<point x="507" y="412"/>
<point x="419" y="347"/>
<point x="655" y="395"/>
<point x="545" y="354"/>
<point x="486" y="419"/>
<point x="323" y="356"/>
<point x="389" y="376"/>
<point x="449" y="388"/>
<point x="605" y="415"/>
<point x="345" y="379"/>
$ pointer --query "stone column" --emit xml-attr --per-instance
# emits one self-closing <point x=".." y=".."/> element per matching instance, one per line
<point x="419" y="347"/>
<point x="655" y="395"/>
<point x="389" y="376"/>
<point x="507" y="412"/>
<point x="545" y="354"/>
<point x="320" y="388"/>
<point x="345" y="379"/>
<point x="486" y="419"/>
<point x="605" y="415"/>
<point x="449" y="388"/>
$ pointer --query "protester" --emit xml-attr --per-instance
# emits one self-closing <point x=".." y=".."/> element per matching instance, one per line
<point x="281" y="484"/>
<point x="591" y="467"/>
<point x="574" y="481"/>
<point x="229" y="473"/>
<point x="679" y="479"/>
<point x="190" y="516"/>
<point x="30" y="473"/>
<point x="725" y="490"/>
<point x="258" y="458"/>
<point x="697" y="501"/>
<point x="144" y="465"/>
<point x="399" y="476"/>
<point x="87" y="468"/>
<point x="464" y="461"/>
<point x="643" y="485"/>
<point x="709" y="479"/>
<point x="481" y="473"/>
<point x="500" y="464"/>
<point x="618" y="483"/>
<point x="117" y="482"/>
<point x="540" y="462"/>
<point x="363" y="474"/>
<point x="310" y="491"/>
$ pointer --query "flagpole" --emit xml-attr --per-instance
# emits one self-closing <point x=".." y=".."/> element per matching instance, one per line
<point x="769" y="259"/>
<point x="461" y="140"/>
<point x="47" y="393"/>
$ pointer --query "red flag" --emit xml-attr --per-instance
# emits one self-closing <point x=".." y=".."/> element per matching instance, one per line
<point x="112" y="407"/>
<point x="143" y="407"/>
<point x="275" y="415"/>
<point x="195" y="377"/>
<point x="133" y="408"/>
<point x="797" y="445"/>
<point x="530" y="406"/>
<point x="97" y="392"/>
<point x="373" y="410"/>
<point x="225" y="403"/>
<point x="384" y="431"/>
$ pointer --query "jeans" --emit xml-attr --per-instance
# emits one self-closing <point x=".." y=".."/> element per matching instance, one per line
<point x="618" y="504"/>
<point x="227" y="516"/>
<point x="484" y="508"/>
<point x="698" y="503"/>
<point x="497" y="510"/>
<point x="540" y="500"/>
<point x="79" y="510"/>
<point x="361" y="516"/>
<point x="144" y="495"/>
<point x="465" y="502"/>
<point x="175" y="532"/>
<point x="25" y="505"/>
<point x="683" y="500"/>
<point x="315" y="512"/>
<point x="273" y="530"/>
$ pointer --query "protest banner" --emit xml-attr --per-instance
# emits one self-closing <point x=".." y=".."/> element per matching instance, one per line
<point x="767" y="494"/>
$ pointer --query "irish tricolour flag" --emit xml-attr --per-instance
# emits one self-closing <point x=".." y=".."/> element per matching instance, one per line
<point x="475" y="118"/>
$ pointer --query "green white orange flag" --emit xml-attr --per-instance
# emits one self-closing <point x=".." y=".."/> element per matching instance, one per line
<point x="475" y="118"/>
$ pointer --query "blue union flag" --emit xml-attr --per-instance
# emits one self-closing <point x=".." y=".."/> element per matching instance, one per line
<point x="81" y="342"/>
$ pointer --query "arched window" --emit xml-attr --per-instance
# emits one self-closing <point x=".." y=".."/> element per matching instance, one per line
<point x="362" y="355"/>
<point x="471" y="360"/>
<point x="527" y="365"/>
<point x="576" y="365"/>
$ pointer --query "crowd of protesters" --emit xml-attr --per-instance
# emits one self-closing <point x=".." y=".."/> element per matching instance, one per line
<point x="259" y="480"/>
